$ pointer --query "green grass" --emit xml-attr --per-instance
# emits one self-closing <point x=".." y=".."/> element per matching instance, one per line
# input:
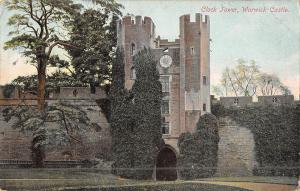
<point x="257" y="179"/>
<point x="18" y="179"/>
<point x="98" y="180"/>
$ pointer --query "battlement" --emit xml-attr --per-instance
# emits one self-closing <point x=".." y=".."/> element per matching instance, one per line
<point x="135" y="22"/>
<point x="161" y="43"/>
<point x="261" y="100"/>
<point x="198" y="19"/>
<point x="65" y="93"/>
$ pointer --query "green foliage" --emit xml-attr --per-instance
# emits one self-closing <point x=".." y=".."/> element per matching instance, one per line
<point x="67" y="124"/>
<point x="95" y="32"/>
<point x="136" y="117"/>
<point x="147" y="103"/>
<point x="121" y="119"/>
<point x="276" y="135"/>
<point x="199" y="150"/>
<point x="8" y="90"/>
<point x="53" y="82"/>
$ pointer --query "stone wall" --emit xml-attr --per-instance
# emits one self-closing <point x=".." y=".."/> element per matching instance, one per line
<point x="236" y="154"/>
<point x="236" y="101"/>
<point x="241" y="101"/>
<point x="16" y="145"/>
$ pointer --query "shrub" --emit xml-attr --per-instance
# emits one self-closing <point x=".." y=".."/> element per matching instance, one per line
<point x="199" y="151"/>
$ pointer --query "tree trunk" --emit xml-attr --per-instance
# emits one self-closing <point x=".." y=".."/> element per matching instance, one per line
<point x="38" y="153"/>
<point x="41" y="83"/>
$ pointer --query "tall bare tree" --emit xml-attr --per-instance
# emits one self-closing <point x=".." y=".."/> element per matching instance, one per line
<point x="246" y="79"/>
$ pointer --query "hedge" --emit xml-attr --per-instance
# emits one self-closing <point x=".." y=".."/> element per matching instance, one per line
<point x="276" y="131"/>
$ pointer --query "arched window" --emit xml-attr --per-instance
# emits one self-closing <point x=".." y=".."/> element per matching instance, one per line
<point x="132" y="49"/>
<point x="132" y="73"/>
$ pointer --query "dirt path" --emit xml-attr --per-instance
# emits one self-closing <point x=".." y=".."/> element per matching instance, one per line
<point x="254" y="186"/>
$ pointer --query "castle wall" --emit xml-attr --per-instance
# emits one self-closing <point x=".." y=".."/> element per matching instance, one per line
<point x="16" y="145"/>
<point x="236" y="154"/>
<point x="236" y="101"/>
<point x="241" y="101"/>
<point x="276" y="99"/>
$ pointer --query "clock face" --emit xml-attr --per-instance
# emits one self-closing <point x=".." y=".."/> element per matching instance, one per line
<point x="165" y="61"/>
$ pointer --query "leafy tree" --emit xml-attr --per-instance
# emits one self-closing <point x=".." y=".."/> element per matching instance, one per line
<point x="36" y="32"/>
<point x="55" y="80"/>
<point x="199" y="150"/>
<point x="245" y="79"/>
<point x="67" y="123"/>
<point x="40" y="27"/>
<point x="147" y="103"/>
<point x="95" y="32"/>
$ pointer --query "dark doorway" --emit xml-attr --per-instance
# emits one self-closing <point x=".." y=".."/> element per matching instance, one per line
<point x="166" y="165"/>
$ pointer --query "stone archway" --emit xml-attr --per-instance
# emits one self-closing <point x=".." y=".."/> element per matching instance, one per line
<point x="166" y="163"/>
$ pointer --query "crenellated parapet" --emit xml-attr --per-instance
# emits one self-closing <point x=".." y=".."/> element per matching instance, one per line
<point x="242" y="101"/>
<point x="134" y="34"/>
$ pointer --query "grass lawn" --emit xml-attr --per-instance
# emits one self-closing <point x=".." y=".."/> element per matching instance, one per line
<point x="257" y="179"/>
<point x="97" y="180"/>
<point x="18" y="179"/>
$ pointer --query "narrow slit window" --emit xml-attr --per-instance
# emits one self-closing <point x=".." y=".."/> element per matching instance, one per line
<point x="132" y="49"/>
<point x="165" y="107"/>
<point x="204" y="107"/>
<point x="204" y="80"/>
<point x="165" y="128"/>
<point x="132" y="73"/>
<point x="192" y="50"/>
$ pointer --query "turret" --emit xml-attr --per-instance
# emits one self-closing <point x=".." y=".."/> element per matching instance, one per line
<point x="194" y="70"/>
<point x="134" y="33"/>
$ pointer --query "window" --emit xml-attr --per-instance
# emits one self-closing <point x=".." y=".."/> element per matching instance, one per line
<point x="165" y="128"/>
<point x="204" y="80"/>
<point x="132" y="73"/>
<point x="132" y="49"/>
<point x="165" y="83"/>
<point x="75" y="93"/>
<point x="93" y="89"/>
<point x="165" y="107"/>
<point x="275" y="99"/>
<point x="192" y="50"/>
<point x="204" y="107"/>
<point x="236" y="101"/>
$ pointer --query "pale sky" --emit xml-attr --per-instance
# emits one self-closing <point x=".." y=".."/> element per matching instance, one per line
<point x="270" y="38"/>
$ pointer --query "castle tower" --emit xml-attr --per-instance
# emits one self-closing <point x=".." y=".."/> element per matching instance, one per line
<point x="134" y="33"/>
<point x="194" y="70"/>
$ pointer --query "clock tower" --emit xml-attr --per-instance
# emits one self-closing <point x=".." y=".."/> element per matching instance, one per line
<point x="183" y="66"/>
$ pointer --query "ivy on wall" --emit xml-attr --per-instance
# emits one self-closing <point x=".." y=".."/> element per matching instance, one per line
<point x="276" y="130"/>
<point x="136" y="118"/>
<point x="199" y="150"/>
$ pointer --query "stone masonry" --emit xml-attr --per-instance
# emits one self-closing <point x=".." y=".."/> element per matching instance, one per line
<point x="183" y="65"/>
<point x="236" y="154"/>
<point x="15" y="145"/>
